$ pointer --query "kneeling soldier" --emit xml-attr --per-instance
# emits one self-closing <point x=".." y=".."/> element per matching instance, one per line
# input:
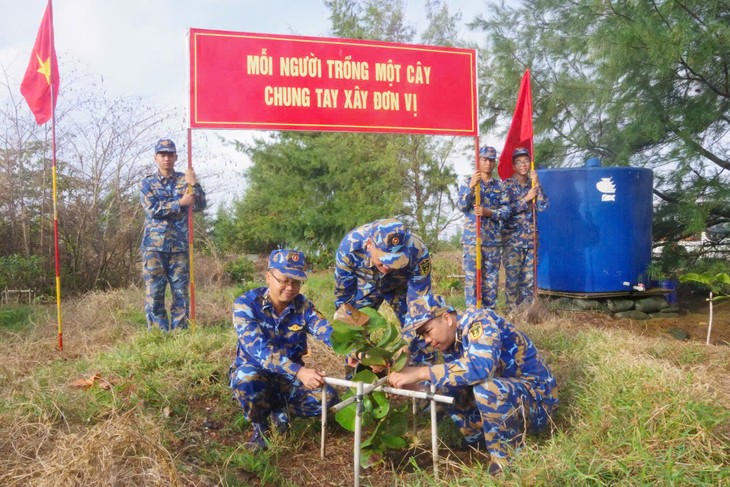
<point x="268" y="376"/>
<point x="500" y="383"/>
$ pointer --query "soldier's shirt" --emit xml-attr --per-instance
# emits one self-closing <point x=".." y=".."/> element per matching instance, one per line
<point x="358" y="281"/>
<point x="493" y="196"/>
<point x="517" y="230"/>
<point x="166" y="223"/>
<point x="276" y="343"/>
<point x="488" y="346"/>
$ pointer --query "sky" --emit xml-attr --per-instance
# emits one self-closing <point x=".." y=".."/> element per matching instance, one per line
<point x="140" y="48"/>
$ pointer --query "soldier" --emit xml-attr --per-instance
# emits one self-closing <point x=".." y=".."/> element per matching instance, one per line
<point x="493" y="210"/>
<point x="502" y="387"/>
<point x="518" y="253"/>
<point x="166" y="196"/>
<point x="268" y="375"/>
<point x="382" y="261"/>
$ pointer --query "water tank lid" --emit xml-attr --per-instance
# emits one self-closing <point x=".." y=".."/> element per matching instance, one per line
<point x="593" y="162"/>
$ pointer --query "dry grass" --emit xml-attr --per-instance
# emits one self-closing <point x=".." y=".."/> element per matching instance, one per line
<point x="124" y="450"/>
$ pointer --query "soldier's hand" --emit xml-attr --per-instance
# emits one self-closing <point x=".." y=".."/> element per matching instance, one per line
<point x="186" y="200"/>
<point x="531" y="195"/>
<point x="408" y="376"/>
<point x="190" y="177"/>
<point x="475" y="179"/>
<point x="310" y="378"/>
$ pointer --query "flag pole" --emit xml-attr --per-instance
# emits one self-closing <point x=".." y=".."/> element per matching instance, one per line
<point x="477" y="202"/>
<point x="534" y="201"/>
<point x="190" y="236"/>
<point x="54" y="172"/>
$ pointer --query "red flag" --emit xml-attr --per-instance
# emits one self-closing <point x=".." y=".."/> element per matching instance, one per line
<point x="520" y="131"/>
<point x="41" y="78"/>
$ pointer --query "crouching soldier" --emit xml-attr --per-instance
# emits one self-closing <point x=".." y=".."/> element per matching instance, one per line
<point x="268" y="376"/>
<point x="502" y="387"/>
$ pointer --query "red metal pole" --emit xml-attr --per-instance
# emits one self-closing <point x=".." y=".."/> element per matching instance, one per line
<point x="190" y="236"/>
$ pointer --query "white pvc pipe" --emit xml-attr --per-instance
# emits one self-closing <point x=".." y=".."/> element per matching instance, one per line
<point x="393" y="390"/>
<point x="434" y="435"/>
<point x="358" y="432"/>
<point x="324" y="422"/>
<point x="709" y="324"/>
<point x="367" y="390"/>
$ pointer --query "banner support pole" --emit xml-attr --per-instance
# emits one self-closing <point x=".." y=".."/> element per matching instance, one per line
<point x="190" y="239"/>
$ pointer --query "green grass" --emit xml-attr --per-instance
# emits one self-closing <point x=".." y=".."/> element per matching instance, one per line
<point x="16" y="318"/>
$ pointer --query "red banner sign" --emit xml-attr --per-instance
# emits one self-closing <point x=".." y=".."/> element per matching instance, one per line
<point x="275" y="82"/>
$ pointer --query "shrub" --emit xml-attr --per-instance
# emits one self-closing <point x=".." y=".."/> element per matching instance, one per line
<point x="240" y="270"/>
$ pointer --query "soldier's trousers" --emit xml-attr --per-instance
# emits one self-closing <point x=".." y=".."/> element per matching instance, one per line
<point x="261" y="393"/>
<point x="502" y="409"/>
<point x="519" y="278"/>
<point x="158" y="270"/>
<point x="490" y="274"/>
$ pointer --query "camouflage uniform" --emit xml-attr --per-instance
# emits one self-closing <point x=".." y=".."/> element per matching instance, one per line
<point x="358" y="281"/>
<point x="501" y="384"/>
<point x="270" y="353"/>
<point x="518" y="254"/>
<point x="494" y="197"/>
<point x="165" y="247"/>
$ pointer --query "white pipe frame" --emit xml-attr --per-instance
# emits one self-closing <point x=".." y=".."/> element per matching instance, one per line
<point x="361" y="390"/>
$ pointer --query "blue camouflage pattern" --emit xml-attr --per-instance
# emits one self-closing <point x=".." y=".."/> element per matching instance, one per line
<point x="290" y="263"/>
<point x="488" y="152"/>
<point x="424" y="309"/>
<point x="158" y="270"/>
<point x="493" y="196"/>
<point x="389" y="237"/>
<point x="166" y="222"/>
<point x="358" y="281"/>
<point x="513" y="388"/>
<point x="270" y="352"/>
<point x="518" y="254"/>
<point x="164" y="248"/>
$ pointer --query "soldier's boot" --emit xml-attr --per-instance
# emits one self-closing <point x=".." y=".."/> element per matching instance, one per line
<point x="280" y="420"/>
<point x="257" y="440"/>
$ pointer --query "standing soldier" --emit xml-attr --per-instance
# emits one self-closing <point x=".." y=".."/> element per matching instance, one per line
<point x="166" y="196"/>
<point x="493" y="210"/>
<point x="518" y="234"/>
<point x="268" y="375"/>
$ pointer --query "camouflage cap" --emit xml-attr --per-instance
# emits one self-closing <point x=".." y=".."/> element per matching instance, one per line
<point x="520" y="151"/>
<point x="488" y="151"/>
<point x="423" y="309"/>
<point x="290" y="263"/>
<point x="389" y="237"/>
<point x="165" y="145"/>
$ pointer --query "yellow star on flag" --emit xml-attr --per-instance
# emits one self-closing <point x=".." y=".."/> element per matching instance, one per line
<point x="44" y="68"/>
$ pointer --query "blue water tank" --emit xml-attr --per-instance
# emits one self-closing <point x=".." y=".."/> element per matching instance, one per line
<point x="595" y="235"/>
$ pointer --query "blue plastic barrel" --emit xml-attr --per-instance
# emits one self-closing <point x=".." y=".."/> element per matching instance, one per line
<point x="595" y="236"/>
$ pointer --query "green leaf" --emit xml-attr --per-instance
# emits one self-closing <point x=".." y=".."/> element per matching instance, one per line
<point x="346" y="417"/>
<point x="376" y="356"/>
<point x="382" y="405"/>
<point x="346" y="330"/>
<point x="694" y="277"/>
<point x="366" y="376"/>
<point x="397" y="421"/>
<point x="370" y="457"/>
<point x="399" y="361"/>
<point x="394" y="442"/>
